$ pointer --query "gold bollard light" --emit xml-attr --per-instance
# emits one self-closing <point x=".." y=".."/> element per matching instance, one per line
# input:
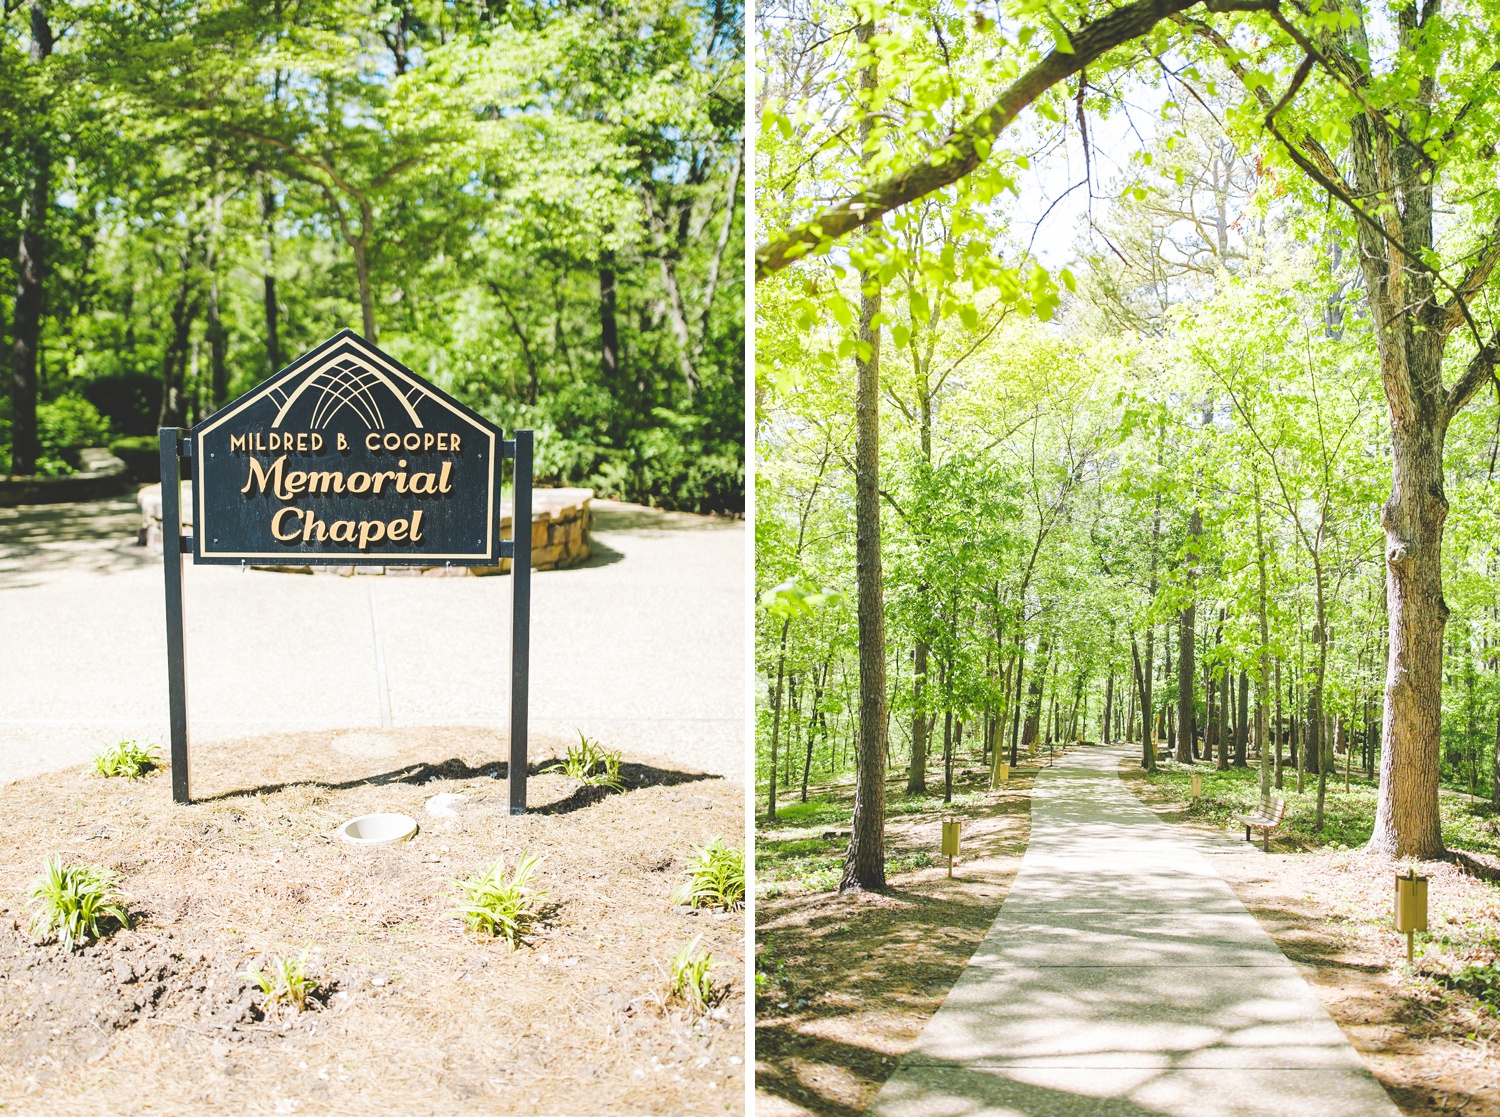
<point x="950" y="841"/>
<point x="1005" y="771"/>
<point x="1197" y="782"/>
<point x="1411" y="907"/>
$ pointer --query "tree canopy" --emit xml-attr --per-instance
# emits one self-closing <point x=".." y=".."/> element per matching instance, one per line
<point x="538" y="206"/>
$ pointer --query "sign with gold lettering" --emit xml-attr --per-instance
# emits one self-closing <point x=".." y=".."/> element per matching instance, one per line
<point x="346" y="457"/>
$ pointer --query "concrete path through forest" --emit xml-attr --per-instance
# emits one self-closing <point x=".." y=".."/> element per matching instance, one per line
<point x="1123" y="978"/>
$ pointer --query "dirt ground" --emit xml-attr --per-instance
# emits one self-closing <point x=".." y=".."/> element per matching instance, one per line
<point x="848" y="982"/>
<point x="1434" y="1048"/>
<point x="417" y="1014"/>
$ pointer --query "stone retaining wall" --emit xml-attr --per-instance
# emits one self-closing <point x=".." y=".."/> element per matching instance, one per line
<point x="102" y="476"/>
<point x="560" y="523"/>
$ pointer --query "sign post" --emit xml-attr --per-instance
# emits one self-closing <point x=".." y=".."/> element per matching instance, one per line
<point x="347" y="458"/>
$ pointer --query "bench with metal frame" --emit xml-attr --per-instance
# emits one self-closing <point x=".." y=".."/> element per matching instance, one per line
<point x="1267" y="818"/>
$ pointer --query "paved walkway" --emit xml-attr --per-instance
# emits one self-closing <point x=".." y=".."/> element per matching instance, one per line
<point x="1122" y="978"/>
<point x="642" y="648"/>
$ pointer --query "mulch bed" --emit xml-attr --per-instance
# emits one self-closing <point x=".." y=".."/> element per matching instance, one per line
<point x="416" y="1014"/>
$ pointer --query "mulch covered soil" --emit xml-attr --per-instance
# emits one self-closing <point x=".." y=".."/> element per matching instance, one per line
<point x="1434" y="1047"/>
<point x="416" y="1014"/>
<point x="847" y="983"/>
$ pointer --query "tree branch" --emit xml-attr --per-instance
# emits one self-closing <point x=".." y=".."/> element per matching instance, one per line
<point x="969" y="146"/>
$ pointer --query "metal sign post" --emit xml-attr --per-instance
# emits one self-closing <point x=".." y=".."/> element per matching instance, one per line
<point x="171" y="553"/>
<point x="520" y="618"/>
<point x="347" y="458"/>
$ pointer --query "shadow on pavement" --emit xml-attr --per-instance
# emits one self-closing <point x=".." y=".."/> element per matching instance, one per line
<point x="610" y="516"/>
<point x="96" y="536"/>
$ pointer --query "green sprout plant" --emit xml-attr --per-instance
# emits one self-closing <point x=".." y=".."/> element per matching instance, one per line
<point x="690" y="981"/>
<point x="501" y="903"/>
<point x="285" y="981"/>
<point x="73" y="901"/>
<point x="590" y="764"/>
<point x="128" y="759"/>
<point x="715" y="878"/>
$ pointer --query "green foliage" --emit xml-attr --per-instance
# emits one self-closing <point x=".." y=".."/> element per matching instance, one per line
<point x="715" y="878"/>
<point x="285" y="981"/>
<point x="64" y="426"/>
<point x="127" y="759"/>
<point x="1349" y="817"/>
<point x="690" y="981"/>
<point x="74" y="901"/>
<point x="588" y="763"/>
<point x="1480" y="981"/>
<point x="141" y="455"/>
<point x="543" y="212"/>
<point x="500" y="902"/>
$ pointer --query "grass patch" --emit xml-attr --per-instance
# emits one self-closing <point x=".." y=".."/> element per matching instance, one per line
<point x="501" y="903"/>
<point x="75" y="902"/>
<point x="285" y="981"/>
<point x="588" y="763"/>
<point x="690" y="981"/>
<point x="1348" y="816"/>
<point x="127" y="759"/>
<point x="715" y="878"/>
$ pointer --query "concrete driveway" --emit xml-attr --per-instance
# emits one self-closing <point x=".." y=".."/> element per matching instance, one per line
<point x="643" y="648"/>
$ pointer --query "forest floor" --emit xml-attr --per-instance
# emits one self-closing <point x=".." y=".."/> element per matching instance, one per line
<point x="845" y="984"/>
<point x="415" y="1013"/>
<point x="1429" y="1032"/>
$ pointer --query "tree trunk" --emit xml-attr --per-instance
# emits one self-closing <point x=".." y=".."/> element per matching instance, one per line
<point x="174" y="359"/>
<point x="215" y="333"/>
<point x="1109" y="709"/>
<point x="609" y="331"/>
<point x="361" y="248"/>
<point x="1186" y="676"/>
<point x="864" y="863"/>
<point x="1407" y="823"/>
<point x="30" y="276"/>
<point x="1015" y="726"/>
<point x="1242" y="722"/>
<point x="1033" y="723"/>
<point x="916" y="776"/>
<point x="947" y="756"/>
<point x="268" y="259"/>
<point x="776" y="720"/>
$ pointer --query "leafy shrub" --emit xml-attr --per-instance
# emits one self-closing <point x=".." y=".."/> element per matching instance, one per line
<point x="716" y="878"/>
<point x="690" y="980"/>
<point x="127" y="759"/>
<point x="285" y="981"/>
<point x="500" y="903"/>
<point x="74" y="901"/>
<point x="587" y="762"/>
<point x="1481" y="981"/>
<point x="64" y="426"/>
<point x="141" y="455"/>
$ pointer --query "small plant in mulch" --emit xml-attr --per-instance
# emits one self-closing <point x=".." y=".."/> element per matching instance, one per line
<point x="500" y="902"/>
<point x="128" y="759"/>
<point x="1480" y="981"/>
<point x="690" y="981"/>
<point x="588" y="763"/>
<point x="715" y="878"/>
<point x="285" y="981"/>
<point x="75" y="902"/>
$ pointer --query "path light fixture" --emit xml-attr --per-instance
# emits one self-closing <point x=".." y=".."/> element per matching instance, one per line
<point x="1411" y="906"/>
<point x="1004" y="772"/>
<point x="950" y="841"/>
<point x="1197" y="782"/>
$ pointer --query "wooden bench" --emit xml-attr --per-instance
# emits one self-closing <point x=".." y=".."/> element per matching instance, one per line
<point x="1267" y="818"/>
